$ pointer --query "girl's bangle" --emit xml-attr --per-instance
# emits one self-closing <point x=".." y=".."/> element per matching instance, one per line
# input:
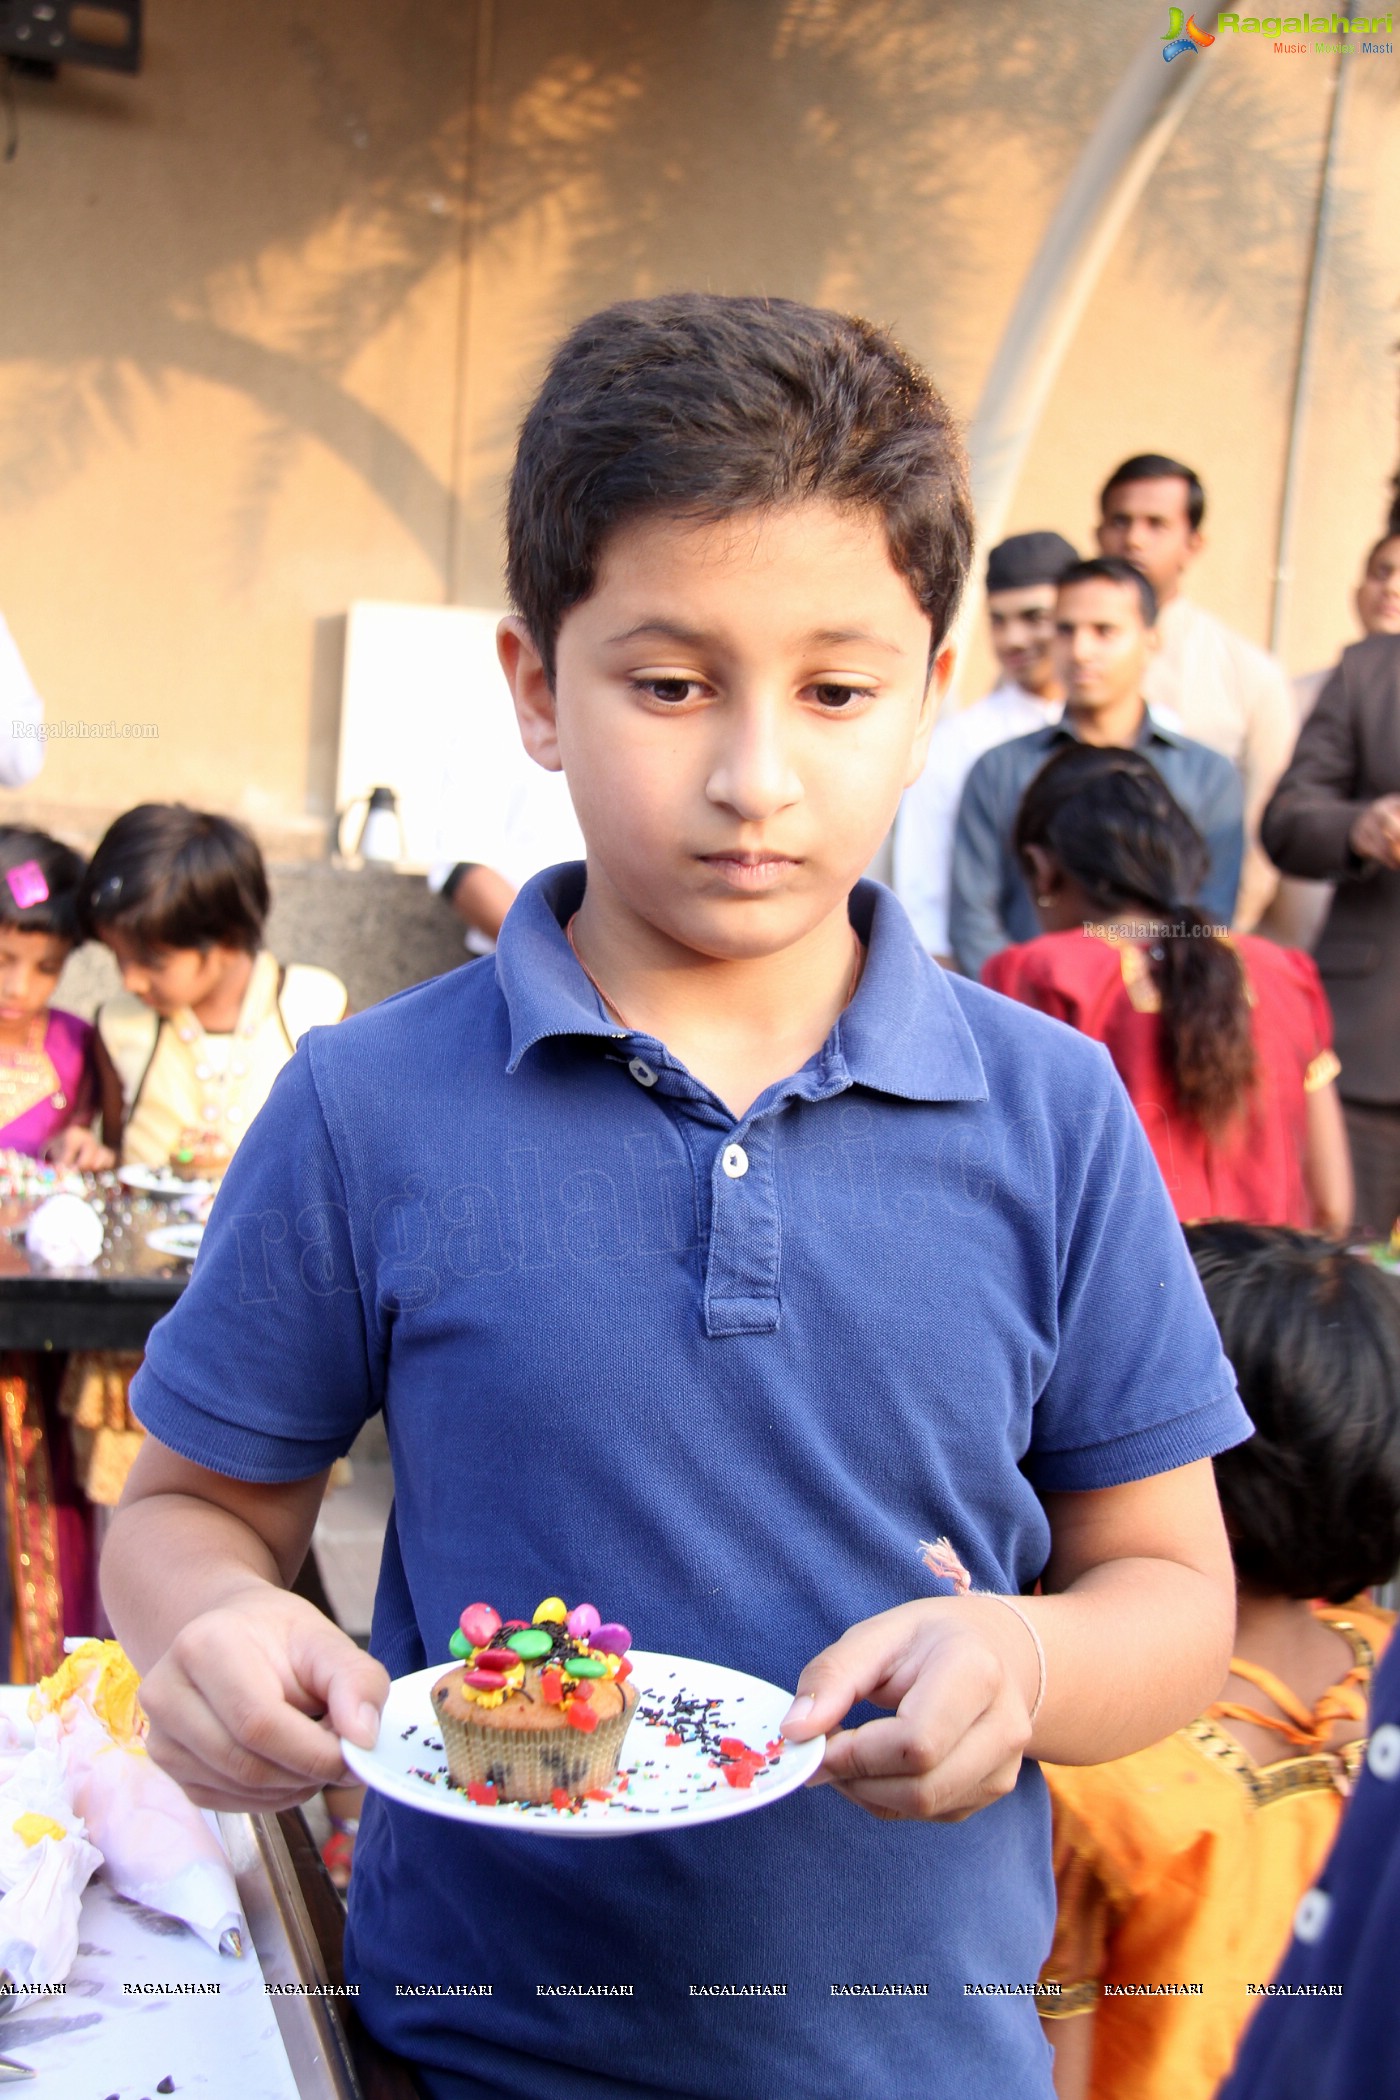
<point x="1029" y="1624"/>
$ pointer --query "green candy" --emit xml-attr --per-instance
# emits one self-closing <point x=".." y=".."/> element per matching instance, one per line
<point x="459" y="1645"/>
<point x="530" y="1643"/>
<point x="585" y="1666"/>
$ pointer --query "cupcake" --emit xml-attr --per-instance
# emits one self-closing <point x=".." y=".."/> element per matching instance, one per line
<point x="537" y="1712"/>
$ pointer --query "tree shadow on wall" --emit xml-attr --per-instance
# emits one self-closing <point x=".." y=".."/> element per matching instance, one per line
<point x="825" y="149"/>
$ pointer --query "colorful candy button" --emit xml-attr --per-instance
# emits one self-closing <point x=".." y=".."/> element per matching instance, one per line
<point x="553" y="1612"/>
<point x="496" y="1659"/>
<point x="585" y="1666"/>
<point x="484" y="1680"/>
<point x="459" y="1645"/>
<point x="583" y="1621"/>
<point x="530" y="1643"/>
<point x="581" y="1717"/>
<point x="612" y="1639"/>
<point x="480" y="1623"/>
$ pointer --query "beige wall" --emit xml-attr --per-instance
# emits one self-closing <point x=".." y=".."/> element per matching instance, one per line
<point x="269" y="312"/>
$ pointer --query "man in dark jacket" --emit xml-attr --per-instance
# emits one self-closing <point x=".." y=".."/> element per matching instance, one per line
<point x="1335" y="816"/>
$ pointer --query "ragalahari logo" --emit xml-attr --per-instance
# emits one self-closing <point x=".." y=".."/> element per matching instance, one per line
<point x="1176" y="40"/>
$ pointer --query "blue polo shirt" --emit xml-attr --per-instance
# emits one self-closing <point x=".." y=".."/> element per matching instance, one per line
<point x="721" y="1378"/>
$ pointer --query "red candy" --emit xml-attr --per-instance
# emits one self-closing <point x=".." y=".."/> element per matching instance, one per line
<point x="624" y="1670"/>
<point x="482" y="1790"/>
<point x="552" y="1686"/>
<point x="559" y="1799"/>
<point x="596" y="1793"/>
<point x="673" y="1741"/>
<point x="483" y="1680"/>
<point x="511" y="1625"/>
<point x="480" y="1623"/>
<point x="581" y="1688"/>
<point x="581" y="1716"/>
<point x="495" y="1659"/>
<point x="740" y="1774"/>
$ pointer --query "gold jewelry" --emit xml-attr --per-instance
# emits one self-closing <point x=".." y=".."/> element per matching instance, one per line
<point x="27" y="1075"/>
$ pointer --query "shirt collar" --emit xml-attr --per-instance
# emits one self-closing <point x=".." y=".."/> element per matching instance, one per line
<point x="1152" y="731"/>
<point x="904" y="1032"/>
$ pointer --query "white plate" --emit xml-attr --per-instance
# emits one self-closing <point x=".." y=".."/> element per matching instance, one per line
<point x="180" y="1240"/>
<point x="159" y="1181"/>
<point x="668" y="1784"/>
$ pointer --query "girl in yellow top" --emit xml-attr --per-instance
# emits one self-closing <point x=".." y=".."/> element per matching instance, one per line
<point x="187" y="1054"/>
<point x="208" y="1018"/>
<point x="1178" y="1869"/>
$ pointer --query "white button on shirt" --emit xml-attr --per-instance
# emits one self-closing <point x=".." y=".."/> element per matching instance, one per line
<point x="735" y="1161"/>
<point x="641" y="1071"/>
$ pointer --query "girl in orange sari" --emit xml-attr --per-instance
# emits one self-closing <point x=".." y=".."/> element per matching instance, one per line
<point x="1179" y="1869"/>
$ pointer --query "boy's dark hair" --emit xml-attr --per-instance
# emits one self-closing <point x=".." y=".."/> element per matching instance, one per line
<point x="171" y="877"/>
<point x="698" y="406"/>
<point x="62" y="870"/>
<point x="1107" y="568"/>
<point x="1155" y="466"/>
<point x="1109" y="819"/>
<point x="1312" y="1501"/>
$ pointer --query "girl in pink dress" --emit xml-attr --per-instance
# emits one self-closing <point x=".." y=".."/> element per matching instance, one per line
<point x="48" y="1089"/>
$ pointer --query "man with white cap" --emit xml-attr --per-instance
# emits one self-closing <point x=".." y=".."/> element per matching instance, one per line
<point x="1022" y="573"/>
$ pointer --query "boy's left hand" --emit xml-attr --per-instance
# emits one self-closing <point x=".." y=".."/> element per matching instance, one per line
<point x="961" y="1674"/>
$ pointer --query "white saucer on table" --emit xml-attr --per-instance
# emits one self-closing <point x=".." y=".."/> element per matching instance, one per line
<point x="159" y="1181"/>
<point x="670" y="1785"/>
<point x="180" y="1240"/>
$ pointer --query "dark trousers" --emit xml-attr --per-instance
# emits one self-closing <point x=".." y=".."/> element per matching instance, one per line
<point x="1374" y="1135"/>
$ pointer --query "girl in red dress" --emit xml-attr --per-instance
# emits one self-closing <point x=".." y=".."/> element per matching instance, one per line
<point x="1224" y="1042"/>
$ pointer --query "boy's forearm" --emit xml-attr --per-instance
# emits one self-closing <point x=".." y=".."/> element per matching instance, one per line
<point x="169" y="1557"/>
<point x="1133" y="1650"/>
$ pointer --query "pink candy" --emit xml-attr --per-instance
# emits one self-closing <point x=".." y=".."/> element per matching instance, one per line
<point x="480" y="1624"/>
<point x="611" y="1639"/>
<point x="583" y="1621"/>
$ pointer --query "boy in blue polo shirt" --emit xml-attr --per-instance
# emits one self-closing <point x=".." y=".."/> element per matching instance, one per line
<point x="706" y="1250"/>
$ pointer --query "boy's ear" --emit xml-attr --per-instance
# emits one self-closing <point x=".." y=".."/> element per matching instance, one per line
<point x="1043" y="873"/>
<point x="531" y="691"/>
<point x="940" y="677"/>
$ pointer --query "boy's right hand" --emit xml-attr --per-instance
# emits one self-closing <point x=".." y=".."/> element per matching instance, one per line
<point x="247" y="1702"/>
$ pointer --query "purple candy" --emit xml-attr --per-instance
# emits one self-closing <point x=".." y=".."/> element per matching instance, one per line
<point x="612" y="1639"/>
<point x="583" y="1621"/>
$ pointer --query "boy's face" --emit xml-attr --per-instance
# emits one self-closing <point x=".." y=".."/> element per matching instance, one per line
<point x="738" y="707"/>
<point x="166" y="979"/>
<point x="1102" y="643"/>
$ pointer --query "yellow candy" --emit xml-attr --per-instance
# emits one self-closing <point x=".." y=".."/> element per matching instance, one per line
<point x="552" y="1612"/>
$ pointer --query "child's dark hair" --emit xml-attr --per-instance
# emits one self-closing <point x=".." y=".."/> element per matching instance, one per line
<point x="1312" y="1501"/>
<point x="61" y="871"/>
<point x="171" y="877"/>
<point x="1110" y="821"/>
<point x="1107" y="568"/>
<point x="1155" y="466"/>
<point x="699" y="406"/>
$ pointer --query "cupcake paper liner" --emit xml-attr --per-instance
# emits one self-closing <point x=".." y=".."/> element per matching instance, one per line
<point x="528" y="1764"/>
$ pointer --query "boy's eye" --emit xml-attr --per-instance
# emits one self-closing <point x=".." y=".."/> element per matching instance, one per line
<point x="671" y="690"/>
<point x="835" y="697"/>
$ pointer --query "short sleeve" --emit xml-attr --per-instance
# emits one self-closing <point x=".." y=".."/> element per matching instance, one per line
<point x="1140" y="1383"/>
<point x="267" y="1367"/>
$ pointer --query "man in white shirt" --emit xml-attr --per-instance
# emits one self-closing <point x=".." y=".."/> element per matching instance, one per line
<point x="1226" y="692"/>
<point x="21" y="717"/>
<point x="1021" y="577"/>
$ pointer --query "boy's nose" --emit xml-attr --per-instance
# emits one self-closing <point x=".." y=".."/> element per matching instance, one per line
<point x="753" y="772"/>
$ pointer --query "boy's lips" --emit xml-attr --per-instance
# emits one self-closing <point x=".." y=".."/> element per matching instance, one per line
<point x="749" y="871"/>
